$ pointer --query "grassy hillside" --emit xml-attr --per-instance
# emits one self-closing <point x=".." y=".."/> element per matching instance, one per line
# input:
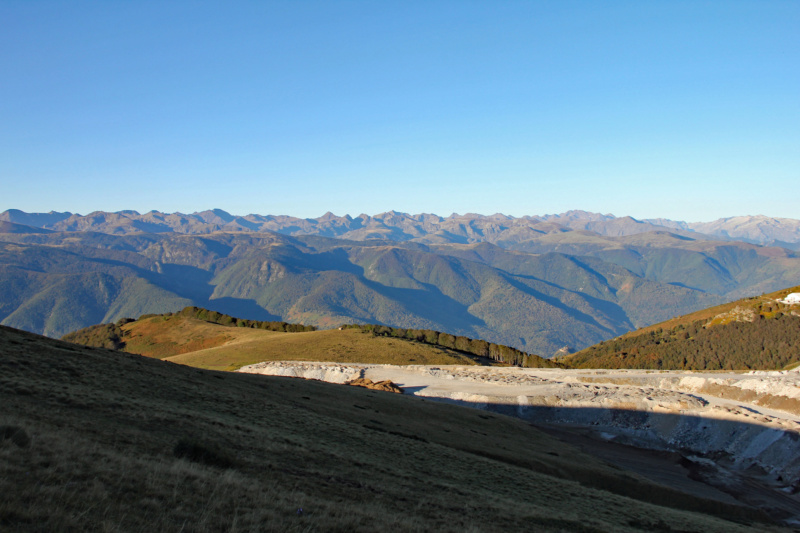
<point x="184" y="338"/>
<point x="753" y="333"/>
<point x="347" y="346"/>
<point x="100" y="440"/>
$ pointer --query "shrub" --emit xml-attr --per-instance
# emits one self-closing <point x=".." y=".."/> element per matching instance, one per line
<point x="203" y="453"/>
<point x="16" y="435"/>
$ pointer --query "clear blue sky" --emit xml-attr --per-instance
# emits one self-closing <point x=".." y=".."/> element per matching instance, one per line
<point x="677" y="109"/>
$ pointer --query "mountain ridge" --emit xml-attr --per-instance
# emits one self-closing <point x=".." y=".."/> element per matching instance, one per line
<point x="423" y="227"/>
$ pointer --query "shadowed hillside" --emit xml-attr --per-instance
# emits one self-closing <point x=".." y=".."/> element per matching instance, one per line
<point x="94" y="439"/>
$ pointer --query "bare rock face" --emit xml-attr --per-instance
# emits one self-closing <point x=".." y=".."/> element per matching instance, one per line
<point x="385" y="385"/>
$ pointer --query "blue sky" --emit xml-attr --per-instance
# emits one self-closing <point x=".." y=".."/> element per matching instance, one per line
<point x="676" y="109"/>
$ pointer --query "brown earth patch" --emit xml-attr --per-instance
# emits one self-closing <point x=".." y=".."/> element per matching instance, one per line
<point x="386" y="385"/>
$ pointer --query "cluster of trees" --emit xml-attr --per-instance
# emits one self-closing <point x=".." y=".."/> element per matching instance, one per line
<point x="227" y="320"/>
<point x="466" y="345"/>
<point x="99" y="336"/>
<point x="770" y="342"/>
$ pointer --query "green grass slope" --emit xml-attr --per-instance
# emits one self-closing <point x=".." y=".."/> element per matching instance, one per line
<point x="100" y="440"/>
<point x="207" y="339"/>
<point x="230" y="343"/>
<point x="753" y="333"/>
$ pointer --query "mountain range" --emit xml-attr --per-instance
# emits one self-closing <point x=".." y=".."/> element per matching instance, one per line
<point x="504" y="230"/>
<point x="537" y="284"/>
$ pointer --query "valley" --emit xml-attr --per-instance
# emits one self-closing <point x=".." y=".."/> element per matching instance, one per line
<point x="721" y="443"/>
<point x="424" y="267"/>
<point x="448" y="317"/>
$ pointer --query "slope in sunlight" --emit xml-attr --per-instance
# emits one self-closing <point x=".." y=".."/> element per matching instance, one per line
<point x="761" y="332"/>
<point x="228" y="343"/>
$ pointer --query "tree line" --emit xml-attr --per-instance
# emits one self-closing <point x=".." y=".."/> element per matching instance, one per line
<point x="226" y="320"/>
<point x="476" y="347"/>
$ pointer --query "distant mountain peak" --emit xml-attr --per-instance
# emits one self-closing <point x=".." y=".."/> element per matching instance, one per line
<point x="224" y="215"/>
<point x="580" y="214"/>
<point x="327" y="216"/>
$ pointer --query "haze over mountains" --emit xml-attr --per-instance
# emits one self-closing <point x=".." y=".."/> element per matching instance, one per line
<point x="535" y="283"/>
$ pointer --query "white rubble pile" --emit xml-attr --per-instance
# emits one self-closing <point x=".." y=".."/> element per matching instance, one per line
<point x="332" y="373"/>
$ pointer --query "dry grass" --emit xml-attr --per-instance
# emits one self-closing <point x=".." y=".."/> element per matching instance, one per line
<point x="163" y="336"/>
<point x="212" y="346"/>
<point x="103" y="428"/>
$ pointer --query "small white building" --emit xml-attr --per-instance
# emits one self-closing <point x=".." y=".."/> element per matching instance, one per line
<point x="793" y="298"/>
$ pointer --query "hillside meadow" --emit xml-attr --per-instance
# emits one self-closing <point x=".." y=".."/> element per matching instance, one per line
<point x="239" y="347"/>
<point x="195" y="342"/>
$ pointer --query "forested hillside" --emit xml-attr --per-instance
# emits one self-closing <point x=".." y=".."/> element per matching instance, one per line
<point x="757" y="333"/>
<point x="60" y="282"/>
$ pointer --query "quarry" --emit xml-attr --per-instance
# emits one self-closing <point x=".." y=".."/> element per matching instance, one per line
<point x="733" y="435"/>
